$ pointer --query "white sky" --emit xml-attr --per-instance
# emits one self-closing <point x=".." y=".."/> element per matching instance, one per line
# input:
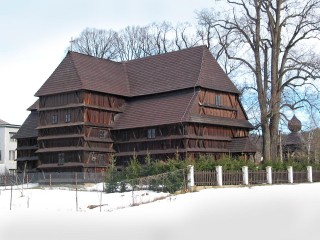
<point x="36" y="33"/>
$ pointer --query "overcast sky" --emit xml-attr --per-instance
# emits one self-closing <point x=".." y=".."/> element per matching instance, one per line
<point x="36" y="33"/>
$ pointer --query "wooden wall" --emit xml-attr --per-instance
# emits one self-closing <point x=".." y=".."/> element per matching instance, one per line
<point x="83" y="124"/>
<point x="228" y="107"/>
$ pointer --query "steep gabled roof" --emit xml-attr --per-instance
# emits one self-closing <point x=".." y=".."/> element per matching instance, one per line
<point x="212" y="76"/>
<point x="161" y="73"/>
<point x="177" y="70"/>
<point x="164" y="72"/>
<point x="78" y="71"/>
<point x="29" y="127"/>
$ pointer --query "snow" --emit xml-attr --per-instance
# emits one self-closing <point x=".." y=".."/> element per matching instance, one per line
<point x="259" y="212"/>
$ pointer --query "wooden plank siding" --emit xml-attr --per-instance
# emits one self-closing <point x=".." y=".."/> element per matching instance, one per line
<point x="180" y="102"/>
<point x="228" y="105"/>
<point x="77" y="125"/>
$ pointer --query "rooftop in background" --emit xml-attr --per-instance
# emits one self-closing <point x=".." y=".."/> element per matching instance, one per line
<point x="3" y="122"/>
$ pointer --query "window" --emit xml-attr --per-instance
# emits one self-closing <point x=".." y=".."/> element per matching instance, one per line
<point x="101" y="158"/>
<point x="152" y="133"/>
<point x="102" y="134"/>
<point x="60" y="158"/>
<point x="68" y="117"/>
<point x="12" y="155"/>
<point x="218" y="100"/>
<point x="54" y="119"/>
<point x="11" y="135"/>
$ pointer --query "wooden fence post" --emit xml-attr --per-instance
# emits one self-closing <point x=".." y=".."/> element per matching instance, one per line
<point x="309" y="169"/>
<point x="190" y="177"/>
<point x="269" y="174"/>
<point x="245" y="175"/>
<point x="290" y="174"/>
<point x="219" y="175"/>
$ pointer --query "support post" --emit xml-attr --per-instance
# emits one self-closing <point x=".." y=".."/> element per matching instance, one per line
<point x="245" y="175"/>
<point x="309" y="169"/>
<point x="219" y="175"/>
<point x="290" y="174"/>
<point x="269" y="174"/>
<point x="190" y="177"/>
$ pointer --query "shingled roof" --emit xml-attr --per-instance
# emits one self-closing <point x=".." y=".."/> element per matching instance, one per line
<point x="29" y="127"/>
<point x="78" y="71"/>
<point x="242" y="145"/>
<point x="155" y="110"/>
<point x="167" y="72"/>
<point x="169" y="108"/>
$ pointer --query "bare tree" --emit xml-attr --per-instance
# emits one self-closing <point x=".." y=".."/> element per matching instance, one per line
<point x="269" y="38"/>
<point x="96" y="42"/>
<point x="135" y="41"/>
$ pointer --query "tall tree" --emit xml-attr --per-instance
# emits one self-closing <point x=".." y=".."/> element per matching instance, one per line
<point x="268" y="38"/>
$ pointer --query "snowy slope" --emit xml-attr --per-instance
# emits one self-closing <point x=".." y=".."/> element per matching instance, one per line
<point x="261" y="212"/>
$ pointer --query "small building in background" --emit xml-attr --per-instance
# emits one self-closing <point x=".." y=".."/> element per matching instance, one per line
<point x="8" y="145"/>
<point x="294" y="144"/>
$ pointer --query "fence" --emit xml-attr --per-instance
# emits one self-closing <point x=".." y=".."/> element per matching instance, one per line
<point x="254" y="177"/>
<point x="51" y="178"/>
<point x="201" y="178"/>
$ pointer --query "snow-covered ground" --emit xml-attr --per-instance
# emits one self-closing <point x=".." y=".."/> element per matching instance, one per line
<point x="285" y="212"/>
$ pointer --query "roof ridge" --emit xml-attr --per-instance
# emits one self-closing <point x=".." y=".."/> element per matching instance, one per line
<point x="124" y="64"/>
<point x="203" y="49"/>
<point x="188" y="106"/>
<point x="75" y="67"/>
<point x="194" y="87"/>
<point x="161" y="54"/>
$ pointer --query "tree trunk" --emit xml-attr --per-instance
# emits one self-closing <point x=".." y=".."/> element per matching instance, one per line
<point x="274" y="137"/>
<point x="266" y="142"/>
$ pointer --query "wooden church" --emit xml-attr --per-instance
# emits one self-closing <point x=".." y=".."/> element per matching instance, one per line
<point x="92" y="109"/>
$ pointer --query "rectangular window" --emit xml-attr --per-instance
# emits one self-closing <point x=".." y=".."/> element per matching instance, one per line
<point x="54" y="119"/>
<point x="11" y="135"/>
<point x="218" y="100"/>
<point x="12" y="155"/>
<point x="101" y="158"/>
<point x="60" y="158"/>
<point x="152" y="133"/>
<point x="68" y="117"/>
<point x="102" y="134"/>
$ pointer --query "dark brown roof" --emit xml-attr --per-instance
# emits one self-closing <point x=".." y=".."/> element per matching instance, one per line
<point x="78" y="71"/>
<point x="293" y="138"/>
<point x="155" y="110"/>
<point x="168" y="108"/>
<point x="34" y="106"/>
<point x="28" y="128"/>
<point x="177" y="70"/>
<point x="167" y="72"/>
<point x="221" y="121"/>
<point x="241" y="145"/>
<point x="212" y="76"/>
